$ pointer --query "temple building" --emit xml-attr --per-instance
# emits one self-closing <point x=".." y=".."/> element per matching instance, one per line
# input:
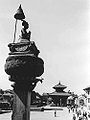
<point x="59" y="96"/>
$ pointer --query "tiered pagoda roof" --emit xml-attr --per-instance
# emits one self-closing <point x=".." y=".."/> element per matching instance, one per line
<point x="59" y="90"/>
<point x="59" y="94"/>
<point x="59" y="86"/>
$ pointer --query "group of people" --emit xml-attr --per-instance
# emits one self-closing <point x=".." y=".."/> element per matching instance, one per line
<point x="79" y="113"/>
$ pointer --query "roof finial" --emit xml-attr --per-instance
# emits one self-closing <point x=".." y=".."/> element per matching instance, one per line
<point x="59" y="82"/>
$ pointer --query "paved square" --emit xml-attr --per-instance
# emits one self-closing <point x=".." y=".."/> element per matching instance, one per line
<point x="46" y="115"/>
<point x="49" y="115"/>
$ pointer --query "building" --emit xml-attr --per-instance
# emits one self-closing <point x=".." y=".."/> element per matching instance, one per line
<point x="87" y="90"/>
<point x="59" y="96"/>
<point x="81" y="100"/>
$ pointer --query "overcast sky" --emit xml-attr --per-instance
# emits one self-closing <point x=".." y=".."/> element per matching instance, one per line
<point x="61" y="30"/>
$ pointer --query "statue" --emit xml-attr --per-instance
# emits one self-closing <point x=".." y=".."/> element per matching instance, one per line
<point x="24" y="44"/>
<point x="24" y="33"/>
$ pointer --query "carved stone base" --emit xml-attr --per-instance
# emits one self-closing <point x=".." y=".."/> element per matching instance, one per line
<point x="21" y="104"/>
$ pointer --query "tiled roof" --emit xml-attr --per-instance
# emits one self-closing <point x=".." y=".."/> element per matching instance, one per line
<point x="59" y="85"/>
<point x="87" y="88"/>
<point x="59" y="94"/>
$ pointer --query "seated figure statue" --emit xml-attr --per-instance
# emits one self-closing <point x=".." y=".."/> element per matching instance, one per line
<point x="24" y="33"/>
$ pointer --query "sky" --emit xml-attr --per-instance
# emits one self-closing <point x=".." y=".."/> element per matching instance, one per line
<point x="61" y="31"/>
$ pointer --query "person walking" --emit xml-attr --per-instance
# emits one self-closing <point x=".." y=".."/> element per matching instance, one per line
<point x="55" y="113"/>
<point x="74" y="117"/>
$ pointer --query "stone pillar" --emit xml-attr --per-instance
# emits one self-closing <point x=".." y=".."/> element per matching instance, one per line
<point x="23" y="70"/>
<point x="21" y="103"/>
<point x="23" y="66"/>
